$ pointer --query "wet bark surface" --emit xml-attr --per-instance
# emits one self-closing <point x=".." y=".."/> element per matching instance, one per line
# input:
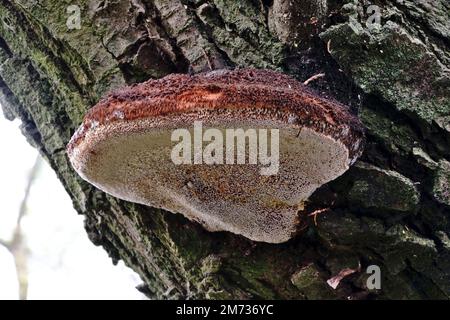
<point x="392" y="209"/>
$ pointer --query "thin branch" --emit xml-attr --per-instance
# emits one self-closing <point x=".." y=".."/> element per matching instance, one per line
<point x="17" y="245"/>
<point x="31" y="179"/>
<point x="5" y="244"/>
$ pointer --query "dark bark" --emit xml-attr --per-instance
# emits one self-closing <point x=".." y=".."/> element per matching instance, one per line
<point x="392" y="209"/>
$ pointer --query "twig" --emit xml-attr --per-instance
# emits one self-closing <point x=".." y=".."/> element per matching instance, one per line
<point x="314" y="77"/>
<point x="207" y="59"/>
<point x="31" y="178"/>
<point x="315" y="213"/>
<point x="5" y="244"/>
<point x="17" y="245"/>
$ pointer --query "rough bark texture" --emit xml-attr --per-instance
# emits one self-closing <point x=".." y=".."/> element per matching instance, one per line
<point x="391" y="209"/>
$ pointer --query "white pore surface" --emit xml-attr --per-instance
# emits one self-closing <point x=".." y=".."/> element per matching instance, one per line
<point x="136" y="165"/>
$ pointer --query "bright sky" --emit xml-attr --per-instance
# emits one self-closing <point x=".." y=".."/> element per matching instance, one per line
<point x="63" y="263"/>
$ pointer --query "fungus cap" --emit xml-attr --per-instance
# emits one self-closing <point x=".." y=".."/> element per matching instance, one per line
<point x="124" y="148"/>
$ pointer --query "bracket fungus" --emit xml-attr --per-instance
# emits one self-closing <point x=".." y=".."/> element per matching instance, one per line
<point x="124" y="147"/>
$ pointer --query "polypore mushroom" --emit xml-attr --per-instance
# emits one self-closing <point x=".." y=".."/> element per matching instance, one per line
<point x="124" y="147"/>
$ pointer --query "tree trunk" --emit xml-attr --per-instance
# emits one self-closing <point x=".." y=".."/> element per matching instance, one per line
<point x="392" y="209"/>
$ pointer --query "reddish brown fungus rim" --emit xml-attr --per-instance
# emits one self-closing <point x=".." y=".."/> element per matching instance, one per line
<point x="279" y="95"/>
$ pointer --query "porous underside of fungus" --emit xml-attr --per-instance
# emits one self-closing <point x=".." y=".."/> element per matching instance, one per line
<point x="124" y="148"/>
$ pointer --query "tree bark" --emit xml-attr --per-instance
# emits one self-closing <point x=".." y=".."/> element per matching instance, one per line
<point x="392" y="209"/>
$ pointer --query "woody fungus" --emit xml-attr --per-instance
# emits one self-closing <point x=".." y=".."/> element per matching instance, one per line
<point x="236" y="151"/>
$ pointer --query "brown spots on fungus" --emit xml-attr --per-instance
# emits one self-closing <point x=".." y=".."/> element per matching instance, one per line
<point x="124" y="145"/>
